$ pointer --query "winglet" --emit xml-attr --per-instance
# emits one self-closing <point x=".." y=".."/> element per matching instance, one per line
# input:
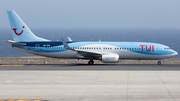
<point x="69" y="39"/>
<point x="66" y="46"/>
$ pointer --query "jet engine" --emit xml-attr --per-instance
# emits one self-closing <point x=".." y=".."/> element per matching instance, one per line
<point x="110" y="58"/>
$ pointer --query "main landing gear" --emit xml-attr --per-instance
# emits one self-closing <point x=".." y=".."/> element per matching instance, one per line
<point x="159" y="62"/>
<point x="91" y="62"/>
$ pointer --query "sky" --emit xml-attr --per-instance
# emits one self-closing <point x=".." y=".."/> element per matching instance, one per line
<point x="93" y="13"/>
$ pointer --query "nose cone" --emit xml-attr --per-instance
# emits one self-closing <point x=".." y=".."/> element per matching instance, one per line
<point x="174" y="53"/>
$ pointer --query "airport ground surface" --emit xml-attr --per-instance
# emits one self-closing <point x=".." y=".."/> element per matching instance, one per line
<point x="45" y="60"/>
<point x="99" y="82"/>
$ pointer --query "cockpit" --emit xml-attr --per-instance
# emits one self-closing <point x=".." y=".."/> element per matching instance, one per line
<point x="167" y="48"/>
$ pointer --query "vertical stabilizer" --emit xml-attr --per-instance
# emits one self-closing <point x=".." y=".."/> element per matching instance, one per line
<point x="20" y="31"/>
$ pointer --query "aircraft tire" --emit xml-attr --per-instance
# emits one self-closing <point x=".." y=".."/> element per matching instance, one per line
<point x="91" y="62"/>
<point x="159" y="63"/>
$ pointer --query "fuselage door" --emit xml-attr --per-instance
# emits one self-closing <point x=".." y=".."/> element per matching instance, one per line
<point x="37" y="47"/>
<point x="101" y="49"/>
<point x="157" y="50"/>
<point x="104" y="49"/>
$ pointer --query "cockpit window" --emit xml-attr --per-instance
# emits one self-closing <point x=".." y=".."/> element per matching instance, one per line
<point x="166" y="48"/>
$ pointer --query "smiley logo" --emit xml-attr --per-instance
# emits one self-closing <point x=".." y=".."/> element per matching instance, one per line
<point x="18" y="33"/>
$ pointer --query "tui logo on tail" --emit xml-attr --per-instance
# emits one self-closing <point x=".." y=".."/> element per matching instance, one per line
<point x="18" y="33"/>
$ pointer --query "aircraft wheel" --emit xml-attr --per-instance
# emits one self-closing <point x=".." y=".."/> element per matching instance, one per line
<point x="91" y="62"/>
<point x="159" y="63"/>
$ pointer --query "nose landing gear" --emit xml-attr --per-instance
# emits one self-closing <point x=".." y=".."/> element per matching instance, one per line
<point x="159" y="62"/>
<point x="91" y="62"/>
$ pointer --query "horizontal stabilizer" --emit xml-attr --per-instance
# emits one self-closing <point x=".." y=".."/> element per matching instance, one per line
<point x="15" y="43"/>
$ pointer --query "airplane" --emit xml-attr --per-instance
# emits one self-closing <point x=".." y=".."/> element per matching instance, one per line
<point x="107" y="52"/>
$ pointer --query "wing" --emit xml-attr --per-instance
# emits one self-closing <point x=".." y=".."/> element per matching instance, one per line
<point x="82" y="53"/>
<point x="89" y="54"/>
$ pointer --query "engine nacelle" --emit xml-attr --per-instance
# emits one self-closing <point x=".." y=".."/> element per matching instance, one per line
<point x="110" y="58"/>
